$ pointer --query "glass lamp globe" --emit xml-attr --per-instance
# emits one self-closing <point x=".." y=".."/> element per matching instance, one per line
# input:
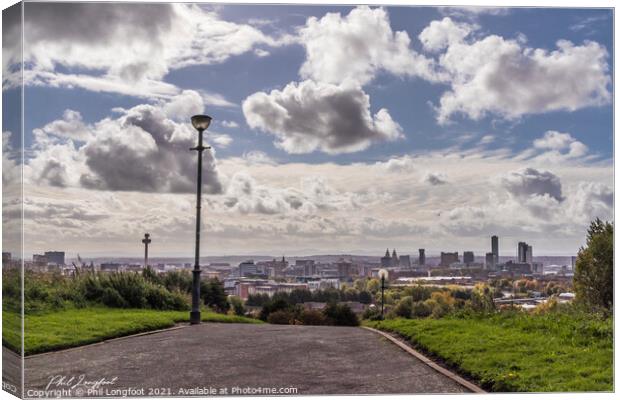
<point x="383" y="274"/>
<point x="201" y="122"/>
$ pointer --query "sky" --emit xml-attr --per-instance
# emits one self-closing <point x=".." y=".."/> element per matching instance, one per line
<point x="335" y="129"/>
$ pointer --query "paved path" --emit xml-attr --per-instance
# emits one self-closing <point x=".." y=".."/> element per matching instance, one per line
<point x="312" y="359"/>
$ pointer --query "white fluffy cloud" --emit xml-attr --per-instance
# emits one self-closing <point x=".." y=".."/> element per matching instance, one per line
<point x="311" y="116"/>
<point x="440" y="34"/>
<point x="127" y="48"/>
<point x="141" y="150"/>
<point x="354" y="47"/>
<point x="504" y="77"/>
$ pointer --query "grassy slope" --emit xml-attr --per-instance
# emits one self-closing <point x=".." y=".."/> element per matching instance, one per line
<point x="518" y="352"/>
<point x="76" y="327"/>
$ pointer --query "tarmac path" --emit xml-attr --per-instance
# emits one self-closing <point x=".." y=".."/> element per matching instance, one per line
<point x="235" y="359"/>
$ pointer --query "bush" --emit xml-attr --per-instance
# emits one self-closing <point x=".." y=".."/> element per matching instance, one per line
<point x="281" y="317"/>
<point x="421" y="309"/>
<point x="312" y="317"/>
<point x="403" y="307"/>
<point x="340" y="315"/>
<point x="111" y="298"/>
<point x="372" y="314"/>
<point x="237" y="305"/>
<point x="273" y="306"/>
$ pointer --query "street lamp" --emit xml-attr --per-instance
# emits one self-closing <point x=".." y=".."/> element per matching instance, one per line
<point x="383" y="274"/>
<point x="200" y="123"/>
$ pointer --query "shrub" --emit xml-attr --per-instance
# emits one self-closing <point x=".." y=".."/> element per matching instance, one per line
<point x="312" y="317"/>
<point x="403" y="307"/>
<point x="281" y="317"/>
<point x="237" y="305"/>
<point x="372" y="313"/>
<point x="273" y="306"/>
<point x="340" y="314"/>
<point x="421" y="309"/>
<point x="111" y="298"/>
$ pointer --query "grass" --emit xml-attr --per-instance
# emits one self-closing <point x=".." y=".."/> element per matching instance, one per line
<point x="517" y="352"/>
<point x="76" y="327"/>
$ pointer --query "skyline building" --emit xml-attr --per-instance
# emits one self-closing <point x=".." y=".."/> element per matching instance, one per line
<point x="449" y="258"/>
<point x="524" y="253"/>
<point x="489" y="261"/>
<point x="55" y="257"/>
<point x="468" y="257"/>
<point x="421" y="257"/>
<point x="495" y="249"/>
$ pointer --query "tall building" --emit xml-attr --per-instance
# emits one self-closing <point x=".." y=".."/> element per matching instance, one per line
<point x="495" y="249"/>
<point x="524" y="253"/>
<point x="421" y="257"/>
<point x="449" y="258"/>
<point x="489" y="261"/>
<point x="404" y="261"/>
<point x="468" y="257"/>
<point x="55" y="257"/>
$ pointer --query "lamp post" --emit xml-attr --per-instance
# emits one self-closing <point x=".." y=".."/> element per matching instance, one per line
<point x="383" y="274"/>
<point x="200" y="123"/>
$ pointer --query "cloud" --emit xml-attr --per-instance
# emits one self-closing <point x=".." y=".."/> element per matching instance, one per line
<point x="221" y="140"/>
<point x="557" y="147"/>
<point x="309" y="116"/>
<point x="559" y="141"/>
<point x="504" y="78"/>
<point x="486" y="139"/>
<point x="141" y="150"/>
<point x="440" y="34"/>
<point x="473" y="12"/>
<point x="528" y="182"/>
<point x="353" y="48"/>
<point x="258" y="157"/>
<point x="128" y="48"/>
<point x="245" y="195"/>
<point x="11" y="169"/>
<point x="405" y="163"/>
<point x="435" y="178"/>
<point x="230" y="124"/>
<point x="71" y="126"/>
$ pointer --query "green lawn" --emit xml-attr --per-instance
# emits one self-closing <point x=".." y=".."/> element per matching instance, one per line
<point x="76" y="327"/>
<point x="518" y="352"/>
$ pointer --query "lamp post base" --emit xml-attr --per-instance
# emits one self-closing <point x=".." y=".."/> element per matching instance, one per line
<point x="194" y="317"/>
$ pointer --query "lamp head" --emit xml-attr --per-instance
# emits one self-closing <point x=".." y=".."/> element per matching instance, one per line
<point x="201" y="122"/>
<point x="383" y="274"/>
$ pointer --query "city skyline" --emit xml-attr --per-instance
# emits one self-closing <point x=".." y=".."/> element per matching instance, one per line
<point x="420" y="138"/>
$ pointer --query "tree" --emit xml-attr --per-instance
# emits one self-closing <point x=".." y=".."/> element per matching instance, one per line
<point x="213" y="295"/>
<point x="593" y="280"/>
